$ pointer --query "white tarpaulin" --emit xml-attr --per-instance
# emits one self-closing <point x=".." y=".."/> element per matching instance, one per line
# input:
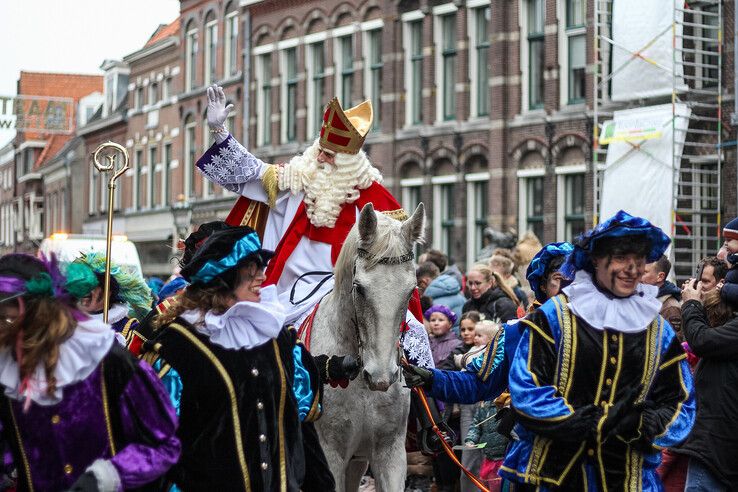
<point x="644" y="27"/>
<point x="638" y="174"/>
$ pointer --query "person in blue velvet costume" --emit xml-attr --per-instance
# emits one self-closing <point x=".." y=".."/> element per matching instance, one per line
<point x="485" y="377"/>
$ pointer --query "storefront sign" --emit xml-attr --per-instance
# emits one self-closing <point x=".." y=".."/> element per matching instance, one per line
<point x="37" y="113"/>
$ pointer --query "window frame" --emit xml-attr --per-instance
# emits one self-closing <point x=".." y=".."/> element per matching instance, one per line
<point x="445" y="16"/>
<point x="210" y="63"/>
<point x="476" y="224"/>
<point x="315" y="79"/>
<point x="524" y="176"/>
<point x="444" y="212"/>
<point x="190" y="152"/>
<point x="191" y="49"/>
<point x="479" y="50"/>
<point x="345" y="72"/>
<point x="414" y="60"/>
<point x="373" y="68"/>
<point x="288" y="89"/>
<point x="570" y="30"/>
<point x="230" y="48"/>
<point x="526" y="59"/>
<point x="166" y="178"/>
<point x="264" y="97"/>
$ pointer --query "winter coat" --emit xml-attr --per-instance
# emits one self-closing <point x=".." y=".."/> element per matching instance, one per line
<point x="446" y="291"/>
<point x="449" y="363"/>
<point x="493" y="304"/>
<point x="443" y="346"/>
<point x="729" y="292"/>
<point x="714" y="437"/>
<point x="484" y="429"/>
<point x="671" y="308"/>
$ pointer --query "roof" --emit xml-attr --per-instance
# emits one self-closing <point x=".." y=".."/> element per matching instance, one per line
<point x="163" y="32"/>
<point x="72" y="85"/>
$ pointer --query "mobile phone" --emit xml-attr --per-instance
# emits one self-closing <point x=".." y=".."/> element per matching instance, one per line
<point x="699" y="276"/>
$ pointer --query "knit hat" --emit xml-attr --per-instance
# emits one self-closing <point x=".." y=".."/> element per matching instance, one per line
<point x="439" y="308"/>
<point x="620" y="225"/>
<point x="730" y="231"/>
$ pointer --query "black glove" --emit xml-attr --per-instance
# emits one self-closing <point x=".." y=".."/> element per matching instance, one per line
<point x="337" y="367"/>
<point x="506" y="422"/>
<point x="620" y="410"/>
<point x="417" y="376"/>
<point x="639" y="424"/>
<point x="87" y="482"/>
<point x="581" y="425"/>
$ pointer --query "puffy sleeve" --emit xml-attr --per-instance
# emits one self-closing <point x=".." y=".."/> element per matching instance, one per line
<point x="231" y="166"/>
<point x="149" y="424"/>
<point x="534" y="397"/>
<point x="485" y="376"/>
<point x="672" y="392"/>
<point x="306" y="384"/>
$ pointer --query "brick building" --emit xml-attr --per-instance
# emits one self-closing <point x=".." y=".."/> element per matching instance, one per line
<point x="7" y="198"/>
<point x="34" y="149"/>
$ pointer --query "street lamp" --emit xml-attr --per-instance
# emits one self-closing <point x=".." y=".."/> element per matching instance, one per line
<point x="182" y="215"/>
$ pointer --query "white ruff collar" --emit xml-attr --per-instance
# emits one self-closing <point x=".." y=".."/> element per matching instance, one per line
<point x="78" y="357"/>
<point x="116" y="312"/>
<point x="245" y="325"/>
<point x="627" y="315"/>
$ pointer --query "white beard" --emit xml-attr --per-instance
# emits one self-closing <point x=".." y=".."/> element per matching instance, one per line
<point x="327" y="187"/>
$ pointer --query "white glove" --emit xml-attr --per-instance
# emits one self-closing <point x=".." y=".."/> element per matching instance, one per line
<point x="217" y="109"/>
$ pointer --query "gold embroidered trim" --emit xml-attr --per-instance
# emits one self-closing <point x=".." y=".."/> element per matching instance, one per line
<point x="280" y="423"/>
<point x="539" y="330"/>
<point x="26" y="466"/>
<point x="398" y="214"/>
<point x="127" y="327"/>
<point x="231" y="392"/>
<point x="270" y="183"/>
<point x="490" y="352"/>
<point x="676" y="359"/>
<point x="106" y="408"/>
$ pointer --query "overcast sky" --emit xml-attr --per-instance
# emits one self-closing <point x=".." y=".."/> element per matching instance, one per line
<point x="73" y="36"/>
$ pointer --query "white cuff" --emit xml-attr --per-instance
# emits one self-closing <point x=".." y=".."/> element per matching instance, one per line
<point x="108" y="479"/>
<point x="220" y="137"/>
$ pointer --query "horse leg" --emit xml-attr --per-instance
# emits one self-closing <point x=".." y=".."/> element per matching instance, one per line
<point x="389" y="465"/>
<point x="355" y="470"/>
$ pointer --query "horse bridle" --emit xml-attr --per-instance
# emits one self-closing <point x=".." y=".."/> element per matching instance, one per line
<point x="384" y="260"/>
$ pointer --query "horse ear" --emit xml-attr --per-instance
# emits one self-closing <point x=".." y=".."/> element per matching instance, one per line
<point x="414" y="228"/>
<point x="367" y="223"/>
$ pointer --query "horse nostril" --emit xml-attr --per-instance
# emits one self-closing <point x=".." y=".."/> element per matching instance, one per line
<point x="366" y="376"/>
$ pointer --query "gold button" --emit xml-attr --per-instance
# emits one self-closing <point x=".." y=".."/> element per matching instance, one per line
<point x="68" y="469"/>
<point x="614" y="338"/>
<point x="608" y="382"/>
<point x="613" y="360"/>
<point x="603" y="403"/>
<point x="55" y="419"/>
<point x="590" y="452"/>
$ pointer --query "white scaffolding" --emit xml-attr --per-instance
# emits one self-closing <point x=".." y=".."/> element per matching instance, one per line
<point x="696" y="36"/>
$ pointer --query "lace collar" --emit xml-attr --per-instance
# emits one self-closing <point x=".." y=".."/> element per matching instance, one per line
<point x="627" y="315"/>
<point x="116" y="312"/>
<point x="78" y="358"/>
<point x="245" y="325"/>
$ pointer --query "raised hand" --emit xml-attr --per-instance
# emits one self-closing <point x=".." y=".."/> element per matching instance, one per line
<point x="217" y="109"/>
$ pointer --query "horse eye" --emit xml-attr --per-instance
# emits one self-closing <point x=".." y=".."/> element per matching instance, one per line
<point x="359" y="288"/>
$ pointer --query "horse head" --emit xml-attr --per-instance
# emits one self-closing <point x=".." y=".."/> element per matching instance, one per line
<point x="382" y="280"/>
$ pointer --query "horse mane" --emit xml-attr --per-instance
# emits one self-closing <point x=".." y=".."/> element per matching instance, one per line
<point x="388" y="242"/>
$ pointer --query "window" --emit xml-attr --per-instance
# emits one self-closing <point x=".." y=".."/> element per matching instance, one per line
<point x="231" y="124"/>
<point x="289" y="100"/>
<point x="479" y="65"/>
<point x="190" y="159"/>
<point x="165" y="175"/>
<point x="139" y="97"/>
<point x="536" y="12"/>
<point x="447" y="217"/>
<point x="316" y="87"/>
<point x="415" y="71"/>
<point x="150" y="181"/>
<point x="574" y="205"/>
<point x="576" y="40"/>
<point x="109" y="90"/>
<point x="411" y="197"/>
<point x="710" y="46"/>
<point x="447" y="70"/>
<point x="211" y="51"/>
<point x="264" y="101"/>
<point x="373" y="58"/>
<point x="477" y="212"/>
<point x="92" y="203"/>
<point x="231" y="44"/>
<point x="166" y="88"/>
<point x="533" y="203"/>
<point x="207" y="141"/>
<point x="153" y="93"/>
<point x="190" y="59"/>
<point x="346" y="67"/>
<point x="138" y="165"/>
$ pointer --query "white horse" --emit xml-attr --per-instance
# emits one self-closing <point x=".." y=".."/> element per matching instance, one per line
<point x="366" y="422"/>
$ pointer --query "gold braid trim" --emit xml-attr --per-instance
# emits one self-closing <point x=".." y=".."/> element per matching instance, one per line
<point x="398" y="214"/>
<point x="270" y="182"/>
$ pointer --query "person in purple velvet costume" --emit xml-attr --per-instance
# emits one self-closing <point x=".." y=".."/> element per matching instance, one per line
<point x="77" y="411"/>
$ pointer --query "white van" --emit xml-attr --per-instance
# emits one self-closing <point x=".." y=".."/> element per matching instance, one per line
<point x="68" y="247"/>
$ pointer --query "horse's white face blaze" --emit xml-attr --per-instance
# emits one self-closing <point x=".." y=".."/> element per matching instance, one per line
<point x="381" y="294"/>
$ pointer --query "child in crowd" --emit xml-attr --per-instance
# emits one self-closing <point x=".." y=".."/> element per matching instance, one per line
<point x="729" y="253"/>
<point x="484" y="430"/>
<point x="442" y="341"/>
<point x="466" y="331"/>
